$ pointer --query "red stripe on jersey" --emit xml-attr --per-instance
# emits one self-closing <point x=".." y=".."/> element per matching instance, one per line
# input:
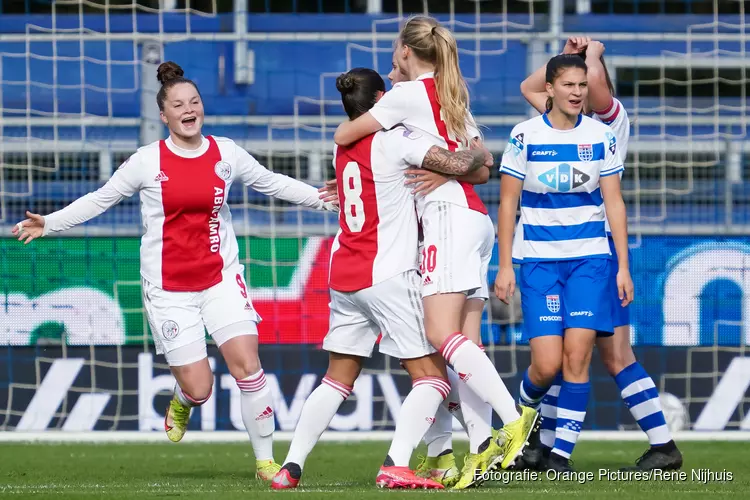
<point x="191" y="199"/>
<point x="472" y="198"/>
<point x="607" y="109"/>
<point x="352" y="263"/>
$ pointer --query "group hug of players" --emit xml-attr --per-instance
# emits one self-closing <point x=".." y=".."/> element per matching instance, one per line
<point x="409" y="262"/>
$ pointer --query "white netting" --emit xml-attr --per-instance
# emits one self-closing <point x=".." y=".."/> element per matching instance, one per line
<point x="689" y="137"/>
<point x="482" y="41"/>
<point x="690" y="119"/>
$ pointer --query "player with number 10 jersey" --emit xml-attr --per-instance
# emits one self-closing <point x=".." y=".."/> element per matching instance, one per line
<point x="458" y="237"/>
<point x="375" y="286"/>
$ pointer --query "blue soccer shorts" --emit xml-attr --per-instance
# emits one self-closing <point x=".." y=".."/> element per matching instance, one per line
<point x="557" y="295"/>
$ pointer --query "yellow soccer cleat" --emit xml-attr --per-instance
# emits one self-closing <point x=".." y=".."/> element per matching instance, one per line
<point x="516" y="435"/>
<point x="493" y="456"/>
<point x="265" y="470"/>
<point x="176" y="420"/>
<point x="441" y="469"/>
<point x="471" y="472"/>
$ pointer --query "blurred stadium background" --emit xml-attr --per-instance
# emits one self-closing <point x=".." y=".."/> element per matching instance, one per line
<point x="77" y="97"/>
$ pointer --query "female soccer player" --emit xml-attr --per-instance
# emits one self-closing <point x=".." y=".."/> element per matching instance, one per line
<point x="636" y="386"/>
<point x="191" y="274"/>
<point x="566" y="164"/>
<point x="458" y="236"/>
<point x="375" y="286"/>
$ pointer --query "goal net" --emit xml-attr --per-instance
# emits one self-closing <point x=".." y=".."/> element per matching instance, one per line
<point x="77" y="97"/>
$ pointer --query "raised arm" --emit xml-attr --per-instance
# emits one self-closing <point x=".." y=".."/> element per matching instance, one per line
<point x="534" y="91"/>
<point x="533" y="87"/>
<point x="600" y="94"/>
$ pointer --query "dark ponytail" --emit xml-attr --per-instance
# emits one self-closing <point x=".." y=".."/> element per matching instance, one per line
<point x="557" y="65"/>
<point x="170" y="74"/>
<point x="359" y="88"/>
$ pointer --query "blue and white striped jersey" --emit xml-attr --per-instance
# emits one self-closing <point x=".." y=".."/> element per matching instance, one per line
<point x="562" y="209"/>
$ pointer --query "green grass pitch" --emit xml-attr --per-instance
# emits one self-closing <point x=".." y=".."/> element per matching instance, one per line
<point x="334" y="470"/>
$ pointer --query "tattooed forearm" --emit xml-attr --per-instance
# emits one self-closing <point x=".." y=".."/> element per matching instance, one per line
<point x="453" y="163"/>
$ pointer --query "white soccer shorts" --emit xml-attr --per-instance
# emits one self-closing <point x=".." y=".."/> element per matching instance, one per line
<point x="457" y="250"/>
<point x="392" y="307"/>
<point x="179" y="320"/>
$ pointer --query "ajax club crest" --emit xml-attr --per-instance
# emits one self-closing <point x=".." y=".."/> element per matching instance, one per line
<point x="223" y="170"/>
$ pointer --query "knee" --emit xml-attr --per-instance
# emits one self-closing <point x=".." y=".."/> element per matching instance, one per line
<point x="432" y="365"/>
<point x="543" y="376"/>
<point x="200" y="389"/>
<point x="244" y="367"/>
<point x="576" y="364"/>
<point x="616" y="355"/>
<point x="616" y="361"/>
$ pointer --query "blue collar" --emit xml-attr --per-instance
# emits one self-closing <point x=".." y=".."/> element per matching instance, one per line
<point x="546" y="119"/>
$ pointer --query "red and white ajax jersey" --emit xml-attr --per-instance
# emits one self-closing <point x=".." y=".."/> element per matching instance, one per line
<point x="415" y="105"/>
<point x="377" y="237"/>
<point x="189" y="237"/>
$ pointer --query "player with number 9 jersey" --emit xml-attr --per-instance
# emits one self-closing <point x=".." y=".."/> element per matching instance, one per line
<point x="192" y="279"/>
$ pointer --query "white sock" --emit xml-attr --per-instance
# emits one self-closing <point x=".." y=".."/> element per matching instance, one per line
<point x="186" y="400"/>
<point x="318" y="411"/>
<point x="477" y="371"/>
<point x="256" y="406"/>
<point x="439" y="437"/>
<point x="416" y="416"/>
<point x="453" y="401"/>
<point x="478" y="417"/>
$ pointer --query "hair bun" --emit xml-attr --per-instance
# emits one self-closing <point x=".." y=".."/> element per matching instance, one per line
<point x="345" y="83"/>
<point x="169" y="71"/>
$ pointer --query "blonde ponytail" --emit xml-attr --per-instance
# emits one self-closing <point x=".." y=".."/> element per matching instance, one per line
<point x="436" y="45"/>
<point x="451" y="87"/>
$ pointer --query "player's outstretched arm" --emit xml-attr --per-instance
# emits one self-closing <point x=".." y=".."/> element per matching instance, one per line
<point x="280" y="186"/>
<point x="83" y="209"/>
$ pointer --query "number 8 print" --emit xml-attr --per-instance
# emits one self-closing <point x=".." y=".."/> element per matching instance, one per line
<point x="354" y="207"/>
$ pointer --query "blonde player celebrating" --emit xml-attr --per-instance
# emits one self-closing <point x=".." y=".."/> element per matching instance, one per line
<point x="440" y="462"/>
<point x="567" y="166"/>
<point x="637" y="389"/>
<point x="191" y="275"/>
<point x="375" y="286"/>
<point x="458" y="238"/>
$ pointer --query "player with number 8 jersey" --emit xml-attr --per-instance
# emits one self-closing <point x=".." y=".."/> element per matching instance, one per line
<point x="375" y="286"/>
<point x="192" y="280"/>
<point x="458" y="239"/>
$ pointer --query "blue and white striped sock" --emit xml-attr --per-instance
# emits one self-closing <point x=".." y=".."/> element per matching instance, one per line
<point x="548" y="409"/>
<point x="530" y="394"/>
<point x="571" y="412"/>
<point x="642" y="399"/>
